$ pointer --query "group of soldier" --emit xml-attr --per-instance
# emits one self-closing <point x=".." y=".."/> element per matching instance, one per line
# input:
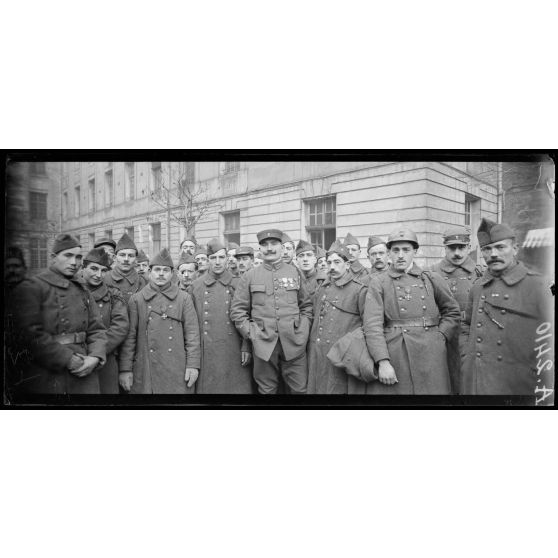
<point x="289" y="319"/>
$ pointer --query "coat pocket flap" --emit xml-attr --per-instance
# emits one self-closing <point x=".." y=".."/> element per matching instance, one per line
<point x="257" y="288"/>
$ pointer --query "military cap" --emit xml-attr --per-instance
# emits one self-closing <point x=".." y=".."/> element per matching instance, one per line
<point x="320" y="252"/>
<point x="214" y="245"/>
<point x="304" y="246"/>
<point x="350" y="239"/>
<point x="456" y="235"/>
<point x="64" y="242"/>
<point x="105" y="241"/>
<point x="490" y="232"/>
<point x="162" y="258"/>
<point x="142" y="257"/>
<point x="338" y="248"/>
<point x="374" y="241"/>
<point x="191" y="239"/>
<point x="185" y="259"/>
<point x="403" y="235"/>
<point x="232" y="246"/>
<point x="266" y="234"/>
<point x="125" y="243"/>
<point x="200" y="250"/>
<point x="98" y="256"/>
<point x="16" y="253"/>
<point x="286" y="238"/>
<point x="245" y="251"/>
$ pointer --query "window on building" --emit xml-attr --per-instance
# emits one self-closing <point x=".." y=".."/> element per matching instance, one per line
<point x="108" y="234"/>
<point x="130" y="181"/>
<point x="155" y="238"/>
<point x="65" y="205"/>
<point x="38" y="253"/>
<point x="472" y="211"/>
<point x="91" y="240"/>
<point x="38" y="205"/>
<point x="92" y="198"/>
<point x="227" y="167"/>
<point x="130" y="232"/>
<point x="77" y="201"/>
<point x="231" y="230"/>
<point x="320" y="219"/>
<point x="156" y="175"/>
<point x="109" y="190"/>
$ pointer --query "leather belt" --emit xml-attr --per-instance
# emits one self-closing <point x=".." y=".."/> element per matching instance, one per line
<point x="71" y="338"/>
<point x="417" y="322"/>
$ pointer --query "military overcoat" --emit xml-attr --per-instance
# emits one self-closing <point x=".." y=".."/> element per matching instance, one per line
<point x="48" y="306"/>
<point x="358" y="270"/>
<point x="221" y="344"/>
<point x="505" y="354"/>
<point x="163" y="340"/>
<point x="459" y="279"/>
<point x="338" y="309"/>
<point x="417" y="352"/>
<point x="114" y="313"/>
<point x="128" y="284"/>
<point x="272" y="303"/>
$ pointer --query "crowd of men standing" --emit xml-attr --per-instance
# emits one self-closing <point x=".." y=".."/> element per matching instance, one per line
<point x="289" y="319"/>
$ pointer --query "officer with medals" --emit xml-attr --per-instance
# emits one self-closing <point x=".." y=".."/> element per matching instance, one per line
<point x="272" y="308"/>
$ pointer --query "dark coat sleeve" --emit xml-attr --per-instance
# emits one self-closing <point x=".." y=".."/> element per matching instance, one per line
<point x="191" y="333"/>
<point x="118" y="329"/>
<point x="305" y="301"/>
<point x="450" y="315"/>
<point x="373" y="321"/>
<point x="96" y="332"/>
<point x="128" y="349"/>
<point x="28" y="300"/>
<point x="241" y="307"/>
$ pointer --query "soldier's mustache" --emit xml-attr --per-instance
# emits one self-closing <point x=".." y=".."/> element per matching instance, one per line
<point x="495" y="260"/>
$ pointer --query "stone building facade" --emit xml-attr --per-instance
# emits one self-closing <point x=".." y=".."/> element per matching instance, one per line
<point x="317" y="201"/>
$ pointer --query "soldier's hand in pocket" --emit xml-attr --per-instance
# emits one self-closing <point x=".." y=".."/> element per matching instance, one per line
<point x="191" y="376"/>
<point x="386" y="373"/>
<point x="89" y="364"/>
<point x="126" y="379"/>
<point x="245" y="358"/>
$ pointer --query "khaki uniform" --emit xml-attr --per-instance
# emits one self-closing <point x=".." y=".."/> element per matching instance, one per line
<point x="510" y="341"/>
<point x="272" y="308"/>
<point x="56" y="318"/>
<point x="459" y="280"/>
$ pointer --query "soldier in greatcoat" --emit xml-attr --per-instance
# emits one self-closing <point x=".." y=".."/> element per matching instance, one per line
<point x="460" y="272"/>
<point x="409" y="317"/>
<point x="273" y="309"/>
<point x="124" y="276"/>
<point x="245" y="257"/>
<point x="200" y="257"/>
<point x="306" y="263"/>
<point x="509" y="344"/>
<point x="60" y="326"/>
<point x="225" y="355"/>
<point x="161" y="353"/>
<point x="353" y="248"/>
<point x="114" y="313"/>
<point x="378" y="255"/>
<point x="338" y="309"/>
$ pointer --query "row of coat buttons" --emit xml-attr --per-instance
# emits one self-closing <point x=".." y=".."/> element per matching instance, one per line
<point x="506" y="296"/>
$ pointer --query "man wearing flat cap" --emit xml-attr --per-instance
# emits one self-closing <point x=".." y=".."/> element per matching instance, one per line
<point x="273" y="309"/>
<point x="225" y="355"/>
<point x="114" y="313"/>
<point x="338" y="309"/>
<point x="378" y="255"/>
<point x="460" y="272"/>
<point x="306" y="263"/>
<point x="409" y="317"/>
<point x="510" y="337"/>
<point x="61" y="326"/>
<point x="124" y="275"/>
<point x="161" y="353"/>
<point x="353" y="248"/>
<point x="245" y="258"/>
